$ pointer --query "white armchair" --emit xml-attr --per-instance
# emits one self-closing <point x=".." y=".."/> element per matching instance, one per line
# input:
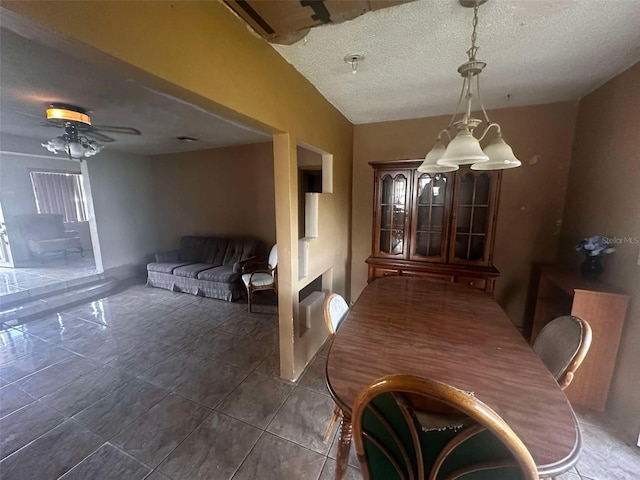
<point x="265" y="278"/>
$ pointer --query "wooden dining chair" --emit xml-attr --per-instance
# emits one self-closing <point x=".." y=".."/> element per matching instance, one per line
<point x="335" y="309"/>
<point x="464" y="438"/>
<point x="562" y="345"/>
<point x="263" y="278"/>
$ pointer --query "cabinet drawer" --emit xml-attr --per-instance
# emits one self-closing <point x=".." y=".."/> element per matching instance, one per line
<point x="386" y="272"/>
<point x="434" y="276"/>
<point x="475" y="282"/>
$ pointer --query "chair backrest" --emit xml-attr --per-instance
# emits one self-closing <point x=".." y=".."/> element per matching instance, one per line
<point x="562" y="345"/>
<point x="463" y="437"/>
<point x="41" y="226"/>
<point x="335" y="309"/>
<point x="273" y="257"/>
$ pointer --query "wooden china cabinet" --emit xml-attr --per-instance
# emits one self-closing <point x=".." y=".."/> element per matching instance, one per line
<point x="435" y="225"/>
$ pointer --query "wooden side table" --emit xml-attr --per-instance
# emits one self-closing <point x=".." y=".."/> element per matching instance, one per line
<point x="564" y="292"/>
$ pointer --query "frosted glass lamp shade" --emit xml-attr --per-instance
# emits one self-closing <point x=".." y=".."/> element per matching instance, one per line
<point x="500" y="156"/>
<point x="430" y="164"/>
<point x="76" y="150"/>
<point x="462" y="150"/>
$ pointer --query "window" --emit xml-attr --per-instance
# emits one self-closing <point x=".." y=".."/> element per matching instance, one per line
<point x="61" y="193"/>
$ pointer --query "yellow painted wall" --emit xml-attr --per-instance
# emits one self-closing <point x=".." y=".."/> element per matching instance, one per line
<point x="204" y="48"/>
<point x="202" y="53"/>
<point x="531" y="197"/>
<point x="603" y="198"/>
<point x="219" y="191"/>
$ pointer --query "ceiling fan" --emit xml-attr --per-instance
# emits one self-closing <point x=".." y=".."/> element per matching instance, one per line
<point x="77" y="128"/>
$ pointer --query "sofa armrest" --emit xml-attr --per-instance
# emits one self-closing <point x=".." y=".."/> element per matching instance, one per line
<point x="70" y="233"/>
<point x="166" y="257"/>
<point x="239" y="266"/>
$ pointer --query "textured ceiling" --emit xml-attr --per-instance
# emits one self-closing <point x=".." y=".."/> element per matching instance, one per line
<point x="537" y="51"/>
<point x="32" y="76"/>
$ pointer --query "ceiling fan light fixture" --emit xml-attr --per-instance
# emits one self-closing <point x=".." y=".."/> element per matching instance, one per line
<point x="75" y="121"/>
<point x="91" y="148"/>
<point x="68" y="113"/>
<point x="55" y="145"/>
<point x="76" y="149"/>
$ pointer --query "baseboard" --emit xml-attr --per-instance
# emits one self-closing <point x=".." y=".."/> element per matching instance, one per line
<point x="125" y="272"/>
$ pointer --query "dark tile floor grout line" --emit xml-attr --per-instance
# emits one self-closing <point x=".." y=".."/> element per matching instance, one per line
<point x="262" y="430"/>
<point x="279" y="409"/>
<point x="46" y="368"/>
<point x="174" y="390"/>
<point x="66" y="419"/>
<point x="87" y="456"/>
<point x="117" y="357"/>
<point x="24" y="406"/>
<point x="35" y="439"/>
<point x="235" y="472"/>
<point x="157" y="467"/>
<point x="151" y="469"/>
<point x="326" y="459"/>
<point x="108" y="439"/>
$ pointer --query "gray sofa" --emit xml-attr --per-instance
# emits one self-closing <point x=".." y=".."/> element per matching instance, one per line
<point x="206" y="266"/>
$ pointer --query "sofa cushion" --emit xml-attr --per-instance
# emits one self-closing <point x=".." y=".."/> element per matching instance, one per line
<point x="164" y="267"/>
<point x="170" y="256"/>
<point x="215" y="250"/>
<point x="193" y="249"/>
<point x="192" y="270"/>
<point x="239" y="249"/>
<point x="222" y="274"/>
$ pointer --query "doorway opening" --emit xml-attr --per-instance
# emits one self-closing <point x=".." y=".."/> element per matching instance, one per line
<point x="45" y="231"/>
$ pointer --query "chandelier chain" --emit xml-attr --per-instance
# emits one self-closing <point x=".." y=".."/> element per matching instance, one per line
<point x="474" y="35"/>
<point x="464" y="147"/>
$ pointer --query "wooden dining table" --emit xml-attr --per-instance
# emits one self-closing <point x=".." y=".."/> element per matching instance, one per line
<point x="459" y="336"/>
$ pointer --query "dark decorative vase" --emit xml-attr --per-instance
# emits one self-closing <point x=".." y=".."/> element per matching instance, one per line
<point x="591" y="268"/>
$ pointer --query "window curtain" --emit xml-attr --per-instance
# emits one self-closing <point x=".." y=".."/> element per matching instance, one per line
<point x="61" y="193"/>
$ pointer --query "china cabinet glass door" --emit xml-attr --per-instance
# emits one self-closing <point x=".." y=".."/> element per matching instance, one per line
<point x="392" y="232"/>
<point x="472" y="219"/>
<point x="430" y="217"/>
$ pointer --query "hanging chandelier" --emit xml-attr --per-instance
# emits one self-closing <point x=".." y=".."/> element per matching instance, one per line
<point x="464" y="148"/>
<point x="71" y="142"/>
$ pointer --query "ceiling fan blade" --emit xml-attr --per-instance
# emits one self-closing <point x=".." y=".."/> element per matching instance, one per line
<point x="114" y="129"/>
<point x="50" y="124"/>
<point x="24" y="114"/>
<point x="99" y="136"/>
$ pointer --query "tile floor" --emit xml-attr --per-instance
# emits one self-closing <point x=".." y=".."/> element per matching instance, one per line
<point x="150" y="384"/>
<point x="55" y="269"/>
